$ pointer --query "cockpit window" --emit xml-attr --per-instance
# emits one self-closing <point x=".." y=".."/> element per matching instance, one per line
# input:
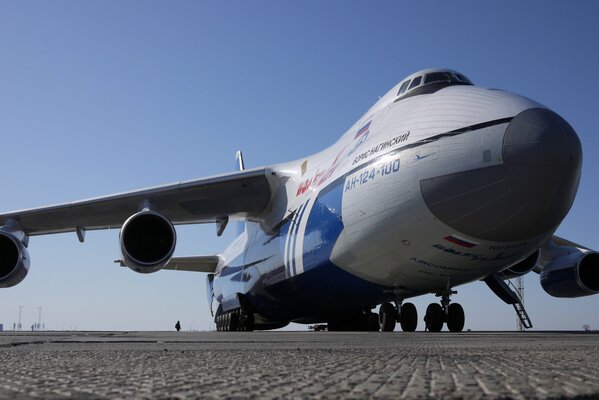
<point x="403" y="87"/>
<point x="416" y="82"/>
<point x="430" y="81"/>
<point x="439" y="77"/>
<point x="462" y="78"/>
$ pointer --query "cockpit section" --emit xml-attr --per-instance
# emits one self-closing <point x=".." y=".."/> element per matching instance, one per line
<point x="429" y="81"/>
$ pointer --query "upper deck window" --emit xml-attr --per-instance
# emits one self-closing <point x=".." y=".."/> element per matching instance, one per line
<point x="403" y="87"/>
<point x="416" y="82"/>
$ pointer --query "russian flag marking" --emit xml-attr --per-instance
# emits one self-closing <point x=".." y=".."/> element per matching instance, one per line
<point x="363" y="130"/>
<point x="460" y="241"/>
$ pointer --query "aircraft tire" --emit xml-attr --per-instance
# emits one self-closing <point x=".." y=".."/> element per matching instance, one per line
<point x="246" y="321"/>
<point x="373" y="322"/>
<point x="408" y="317"/>
<point x="434" y="317"/>
<point x="455" y="317"/>
<point x="387" y="317"/>
<point x="234" y="320"/>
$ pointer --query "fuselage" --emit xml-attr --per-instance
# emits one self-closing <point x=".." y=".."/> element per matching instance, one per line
<point x="424" y="192"/>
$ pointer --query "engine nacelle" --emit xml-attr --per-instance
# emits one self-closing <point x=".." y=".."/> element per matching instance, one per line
<point x="572" y="275"/>
<point x="14" y="260"/>
<point x="147" y="241"/>
<point x="523" y="267"/>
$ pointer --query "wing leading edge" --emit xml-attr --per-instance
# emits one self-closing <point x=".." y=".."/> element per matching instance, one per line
<point x="244" y="194"/>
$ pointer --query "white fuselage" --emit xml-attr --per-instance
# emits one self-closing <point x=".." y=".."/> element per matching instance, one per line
<point x="390" y="236"/>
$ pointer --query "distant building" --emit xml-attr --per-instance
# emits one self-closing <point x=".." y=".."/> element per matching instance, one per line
<point x="1" y="327"/>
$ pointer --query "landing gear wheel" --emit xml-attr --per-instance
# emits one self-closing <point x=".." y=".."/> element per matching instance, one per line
<point x="408" y="317"/>
<point x="372" y="322"/>
<point x="387" y="317"/>
<point x="234" y="320"/>
<point x="455" y="317"/>
<point x="246" y="321"/>
<point x="434" y="317"/>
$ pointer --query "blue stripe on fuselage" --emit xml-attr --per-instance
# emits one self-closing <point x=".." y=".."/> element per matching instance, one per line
<point x="298" y="221"/>
<point x="323" y="226"/>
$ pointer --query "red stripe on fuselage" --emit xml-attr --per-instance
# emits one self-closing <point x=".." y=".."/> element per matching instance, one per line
<point x="459" y="242"/>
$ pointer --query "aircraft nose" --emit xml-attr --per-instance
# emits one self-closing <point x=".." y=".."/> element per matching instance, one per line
<point x="543" y="156"/>
<point x="527" y="195"/>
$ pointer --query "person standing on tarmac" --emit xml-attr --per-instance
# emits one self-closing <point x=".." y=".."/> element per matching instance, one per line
<point x="178" y="326"/>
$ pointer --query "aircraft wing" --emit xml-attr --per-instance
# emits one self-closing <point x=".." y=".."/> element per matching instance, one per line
<point x="243" y="194"/>
<point x="556" y="247"/>
<point x="565" y="242"/>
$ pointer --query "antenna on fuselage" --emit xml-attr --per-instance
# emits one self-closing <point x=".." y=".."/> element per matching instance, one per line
<point x="239" y="164"/>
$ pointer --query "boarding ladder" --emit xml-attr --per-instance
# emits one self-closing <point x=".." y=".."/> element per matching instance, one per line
<point x="505" y="290"/>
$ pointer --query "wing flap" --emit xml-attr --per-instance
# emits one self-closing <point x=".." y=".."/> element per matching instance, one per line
<point x="193" y="263"/>
<point x="244" y="194"/>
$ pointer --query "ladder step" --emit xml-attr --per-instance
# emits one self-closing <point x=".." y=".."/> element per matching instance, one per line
<point x="523" y="315"/>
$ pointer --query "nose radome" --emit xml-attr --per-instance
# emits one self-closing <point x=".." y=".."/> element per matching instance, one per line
<point x="528" y="194"/>
<point x="543" y="156"/>
<point x="537" y="141"/>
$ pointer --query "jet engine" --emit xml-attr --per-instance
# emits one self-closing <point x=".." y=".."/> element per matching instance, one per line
<point x="14" y="260"/>
<point x="572" y="275"/>
<point x="147" y="241"/>
<point x="523" y="267"/>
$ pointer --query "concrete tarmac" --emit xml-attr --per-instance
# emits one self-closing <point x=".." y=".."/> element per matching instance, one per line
<point x="299" y="365"/>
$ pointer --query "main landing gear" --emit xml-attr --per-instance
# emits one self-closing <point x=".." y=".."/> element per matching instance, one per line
<point x="451" y="314"/>
<point x="407" y="317"/>
<point x="237" y="320"/>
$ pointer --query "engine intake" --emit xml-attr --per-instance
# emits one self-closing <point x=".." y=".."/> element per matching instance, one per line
<point x="14" y="260"/>
<point x="147" y="241"/>
<point x="523" y="267"/>
<point x="572" y="275"/>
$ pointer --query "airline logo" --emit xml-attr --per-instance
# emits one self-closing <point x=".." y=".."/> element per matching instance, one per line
<point x="321" y="176"/>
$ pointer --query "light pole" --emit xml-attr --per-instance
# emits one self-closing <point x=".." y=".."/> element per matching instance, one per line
<point x="19" y="325"/>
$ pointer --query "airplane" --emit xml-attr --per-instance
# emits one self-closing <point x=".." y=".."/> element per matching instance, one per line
<point x="439" y="184"/>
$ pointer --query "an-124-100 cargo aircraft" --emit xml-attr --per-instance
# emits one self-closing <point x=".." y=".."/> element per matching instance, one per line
<point x="439" y="184"/>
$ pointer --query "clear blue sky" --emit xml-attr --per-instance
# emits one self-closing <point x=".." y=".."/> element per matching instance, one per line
<point x="107" y="96"/>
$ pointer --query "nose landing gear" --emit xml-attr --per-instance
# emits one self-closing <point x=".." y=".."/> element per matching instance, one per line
<point x="387" y="317"/>
<point x="451" y="314"/>
<point x="455" y="317"/>
<point x="407" y="317"/>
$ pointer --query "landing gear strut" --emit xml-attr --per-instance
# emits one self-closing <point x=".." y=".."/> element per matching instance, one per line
<point x="451" y="314"/>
